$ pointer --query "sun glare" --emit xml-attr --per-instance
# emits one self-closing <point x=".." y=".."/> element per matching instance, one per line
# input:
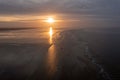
<point x="50" y="20"/>
<point x="50" y="32"/>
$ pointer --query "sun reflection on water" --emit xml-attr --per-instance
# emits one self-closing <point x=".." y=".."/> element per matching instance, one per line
<point x="50" y="33"/>
<point x="51" y="56"/>
<point x="51" y="61"/>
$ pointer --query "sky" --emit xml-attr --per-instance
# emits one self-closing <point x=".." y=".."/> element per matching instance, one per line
<point x="30" y="13"/>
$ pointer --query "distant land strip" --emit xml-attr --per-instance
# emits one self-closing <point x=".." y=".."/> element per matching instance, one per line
<point x="9" y="29"/>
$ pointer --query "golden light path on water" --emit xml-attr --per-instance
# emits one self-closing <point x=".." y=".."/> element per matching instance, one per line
<point x="51" y="57"/>
<point x="52" y="61"/>
<point x="50" y="33"/>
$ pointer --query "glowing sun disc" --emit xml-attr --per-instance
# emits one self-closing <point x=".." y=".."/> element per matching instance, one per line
<point x="50" y="20"/>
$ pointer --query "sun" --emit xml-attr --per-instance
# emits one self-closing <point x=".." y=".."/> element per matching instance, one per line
<point x="50" y="20"/>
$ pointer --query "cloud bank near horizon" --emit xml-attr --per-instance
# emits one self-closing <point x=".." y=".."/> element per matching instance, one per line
<point x="86" y="7"/>
<point x="87" y="11"/>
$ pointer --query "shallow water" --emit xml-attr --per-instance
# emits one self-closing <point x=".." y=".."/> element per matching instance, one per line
<point x="29" y="54"/>
<point x="24" y="36"/>
<point x="22" y="57"/>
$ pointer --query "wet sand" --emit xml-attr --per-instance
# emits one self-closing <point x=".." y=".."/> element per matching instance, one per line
<point x="104" y="46"/>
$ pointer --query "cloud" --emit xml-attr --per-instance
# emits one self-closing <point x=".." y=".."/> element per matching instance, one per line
<point x="86" y="7"/>
<point x="78" y="12"/>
